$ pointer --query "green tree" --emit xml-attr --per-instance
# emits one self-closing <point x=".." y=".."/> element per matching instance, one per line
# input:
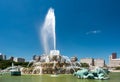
<point x="84" y="65"/>
<point x="117" y="68"/>
<point x="7" y="63"/>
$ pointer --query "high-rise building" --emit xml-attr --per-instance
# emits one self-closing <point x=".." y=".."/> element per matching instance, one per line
<point x="114" y="55"/>
<point x="113" y="60"/>
<point x="99" y="62"/>
<point x="2" y="56"/>
<point x="93" y="62"/>
<point x="19" y="59"/>
<point x="73" y="59"/>
<point x="89" y="61"/>
<point x="11" y="58"/>
<point x="34" y="57"/>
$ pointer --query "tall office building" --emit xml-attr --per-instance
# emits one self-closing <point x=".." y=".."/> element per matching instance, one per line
<point x="2" y="56"/>
<point x="89" y="61"/>
<point x="19" y="59"/>
<point x="113" y="60"/>
<point x="99" y="62"/>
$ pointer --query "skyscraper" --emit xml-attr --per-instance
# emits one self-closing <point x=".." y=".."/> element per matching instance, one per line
<point x="2" y="56"/>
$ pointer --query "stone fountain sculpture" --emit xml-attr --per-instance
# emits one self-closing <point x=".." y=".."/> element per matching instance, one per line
<point x="97" y="73"/>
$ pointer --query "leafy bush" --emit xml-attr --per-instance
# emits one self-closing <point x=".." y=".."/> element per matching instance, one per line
<point x="7" y="63"/>
<point x="117" y="68"/>
<point x="84" y="65"/>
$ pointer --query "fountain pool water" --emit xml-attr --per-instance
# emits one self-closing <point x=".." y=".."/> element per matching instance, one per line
<point x="114" y="77"/>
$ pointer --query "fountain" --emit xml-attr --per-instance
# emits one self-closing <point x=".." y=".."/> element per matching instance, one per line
<point x="52" y="62"/>
<point x="48" y="35"/>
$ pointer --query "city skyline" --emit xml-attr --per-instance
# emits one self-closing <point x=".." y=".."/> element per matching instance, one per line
<point x="83" y="28"/>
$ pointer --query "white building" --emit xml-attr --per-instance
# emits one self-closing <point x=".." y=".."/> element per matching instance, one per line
<point x="2" y="56"/>
<point x="89" y="61"/>
<point x="99" y="62"/>
<point x="93" y="62"/>
<point x="19" y="59"/>
<point x="114" y="61"/>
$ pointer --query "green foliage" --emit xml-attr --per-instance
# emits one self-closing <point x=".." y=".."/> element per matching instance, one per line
<point x="7" y="63"/>
<point x="84" y="65"/>
<point x="117" y="68"/>
<point x="24" y="64"/>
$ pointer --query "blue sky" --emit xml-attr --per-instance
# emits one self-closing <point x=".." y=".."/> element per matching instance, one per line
<point x="84" y="28"/>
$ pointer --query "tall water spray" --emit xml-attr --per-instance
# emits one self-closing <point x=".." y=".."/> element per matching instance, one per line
<point x="48" y="32"/>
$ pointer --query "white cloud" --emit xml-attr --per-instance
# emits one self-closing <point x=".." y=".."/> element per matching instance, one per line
<point x="93" y="32"/>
